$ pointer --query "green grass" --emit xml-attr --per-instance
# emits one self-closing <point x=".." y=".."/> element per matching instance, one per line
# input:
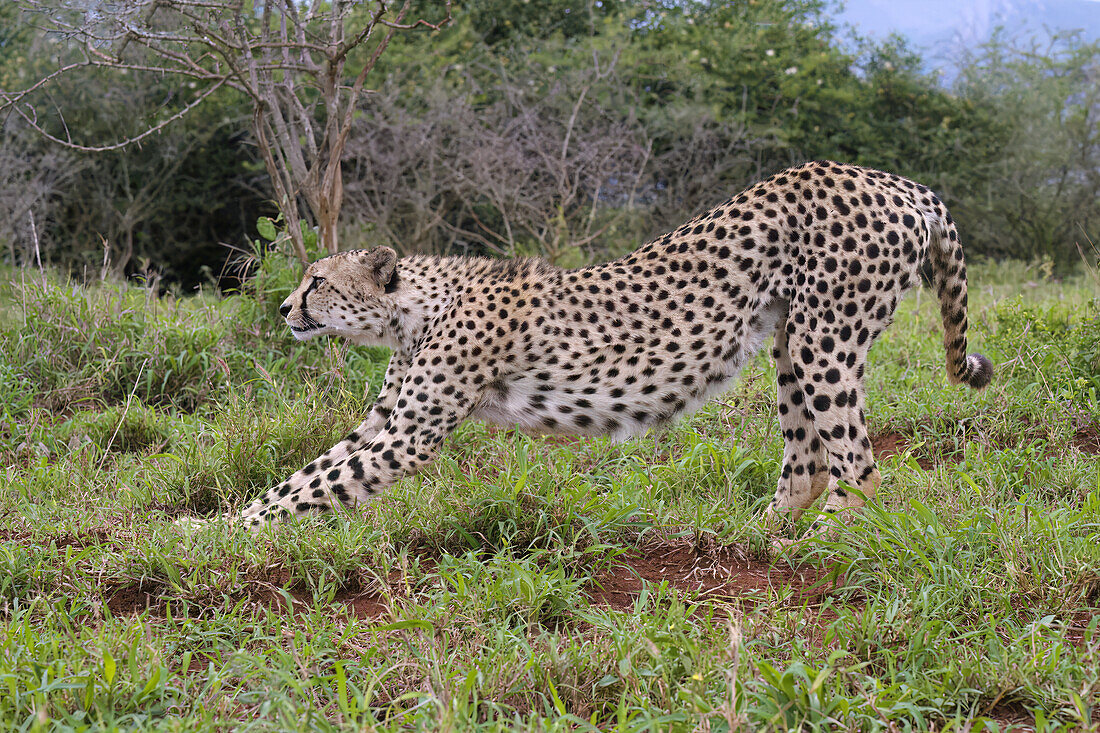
<point x="479" y="595"/>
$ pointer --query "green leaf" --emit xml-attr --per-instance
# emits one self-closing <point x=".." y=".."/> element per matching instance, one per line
<point x="266" y="228"/>
<point x="406" y="624"/>
<point x="151" y="684"/>
<point x="108" y="668"/>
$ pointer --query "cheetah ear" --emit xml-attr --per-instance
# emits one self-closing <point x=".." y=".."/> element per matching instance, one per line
<point x="381" y="263"/>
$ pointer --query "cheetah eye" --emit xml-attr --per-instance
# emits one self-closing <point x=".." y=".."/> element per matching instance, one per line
<point x="318" y="280"/>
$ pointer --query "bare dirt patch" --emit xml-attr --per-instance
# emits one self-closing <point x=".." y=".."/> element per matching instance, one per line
<point x="721" y="573"/>
<point x="1077" y="626"/>
<point x="359" y="601"/>
<point x="1087" y="440"/>
<point x="85" y="539"/>
<point x="76" y="541"/>
<point x="893" y="443"/>
<point x="928" y="454"/>
<point x="273" y="591"/>
<point x="1012" y="716"/>
<point x="136" y="598"/>
<point x="714" y="574"/>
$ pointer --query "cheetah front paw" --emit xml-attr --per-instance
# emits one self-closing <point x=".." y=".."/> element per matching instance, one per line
<point x="191" y="524"/>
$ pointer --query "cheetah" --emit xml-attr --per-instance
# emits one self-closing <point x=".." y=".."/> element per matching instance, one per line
<point x="818" y="254"/>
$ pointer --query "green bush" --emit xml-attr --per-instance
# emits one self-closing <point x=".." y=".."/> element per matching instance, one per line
<point x="1054" y="349"/>
<point x="109" y="343"/>
<point x="125" y="428"/>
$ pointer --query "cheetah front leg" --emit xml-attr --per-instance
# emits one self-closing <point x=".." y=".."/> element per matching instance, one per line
<point x="427" y="410"/>
<point x="355" y="440"/>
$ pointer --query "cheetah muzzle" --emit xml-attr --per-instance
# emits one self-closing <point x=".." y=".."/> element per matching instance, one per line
<point x="819" y="255"/>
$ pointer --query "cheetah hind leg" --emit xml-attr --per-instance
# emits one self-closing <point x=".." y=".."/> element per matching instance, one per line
<point x="833" y="399"/>
<point x="838" y="414"/>
<point x="804" y="475"/>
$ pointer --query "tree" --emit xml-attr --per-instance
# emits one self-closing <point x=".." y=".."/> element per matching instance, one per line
<point x="304" y="67"/>
<point x="1042" y="198"/>
<point x="547" y="168"/>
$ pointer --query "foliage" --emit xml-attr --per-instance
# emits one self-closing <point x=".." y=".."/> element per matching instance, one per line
<point x="1058" y="345"/>
<point x="1040" y="197"/>
<point x="717" y="95"/>
<point x="545" y="167"/>
<point x="572" y="130"/>
<point x="287" y="60"/>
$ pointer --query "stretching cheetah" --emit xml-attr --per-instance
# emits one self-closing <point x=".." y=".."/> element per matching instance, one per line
<point x="818" y="255"/>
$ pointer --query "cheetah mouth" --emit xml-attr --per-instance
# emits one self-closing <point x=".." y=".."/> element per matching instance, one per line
<point x="308" y="324"/>
<point x="307" y="329"/>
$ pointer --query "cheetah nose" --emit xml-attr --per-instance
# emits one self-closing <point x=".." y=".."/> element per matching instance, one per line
<point x="284" y="309"/>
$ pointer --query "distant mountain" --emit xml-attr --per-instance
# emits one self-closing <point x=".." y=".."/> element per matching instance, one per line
<point x="937" y="27"/>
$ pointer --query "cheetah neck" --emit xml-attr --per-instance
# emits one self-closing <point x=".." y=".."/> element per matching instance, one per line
<point x="420" y="297"/>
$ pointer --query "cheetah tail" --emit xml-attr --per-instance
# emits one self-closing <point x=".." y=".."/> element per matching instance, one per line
<point x="949" y="278"/>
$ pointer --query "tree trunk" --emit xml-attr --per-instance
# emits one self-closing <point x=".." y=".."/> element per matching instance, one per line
<point x="328" y="213"/>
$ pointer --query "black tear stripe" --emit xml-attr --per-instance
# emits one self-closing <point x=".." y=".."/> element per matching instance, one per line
<point x="305" y="310"/>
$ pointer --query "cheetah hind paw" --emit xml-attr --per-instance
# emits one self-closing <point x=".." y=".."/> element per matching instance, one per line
<point x="786" y="548"/>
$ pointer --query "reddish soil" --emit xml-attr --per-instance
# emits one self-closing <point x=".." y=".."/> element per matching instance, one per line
<point x="76" y="541"/>
<point x="720" y="573"/>
<point x="363" y="605"/>
<point x="1015" y="717"/>
<point x="272" y="592"/>
<point x="928" y="455"/>
<point x="1087" y="440"/>
<point x="85" y="539"/>
<point x="135" y="598"/>
<point x="1076" y="626"/>
<point x="1012" y="716"/>
<point x="895" y="444"/>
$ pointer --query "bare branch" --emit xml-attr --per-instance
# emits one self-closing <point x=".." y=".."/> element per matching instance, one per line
<point x="14" y="98"/>
<point x="288" y="60"/>
<point x="128" y="141"/>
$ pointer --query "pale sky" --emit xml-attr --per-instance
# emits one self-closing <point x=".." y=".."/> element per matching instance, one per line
<point x="937" y="25"/>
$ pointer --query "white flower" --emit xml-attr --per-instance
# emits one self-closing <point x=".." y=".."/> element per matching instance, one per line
<point x="770" y="52"/>
<point x="791" y="71"/>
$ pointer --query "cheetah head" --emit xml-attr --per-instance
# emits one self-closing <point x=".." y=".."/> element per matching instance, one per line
<point x="347" y="294"/>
